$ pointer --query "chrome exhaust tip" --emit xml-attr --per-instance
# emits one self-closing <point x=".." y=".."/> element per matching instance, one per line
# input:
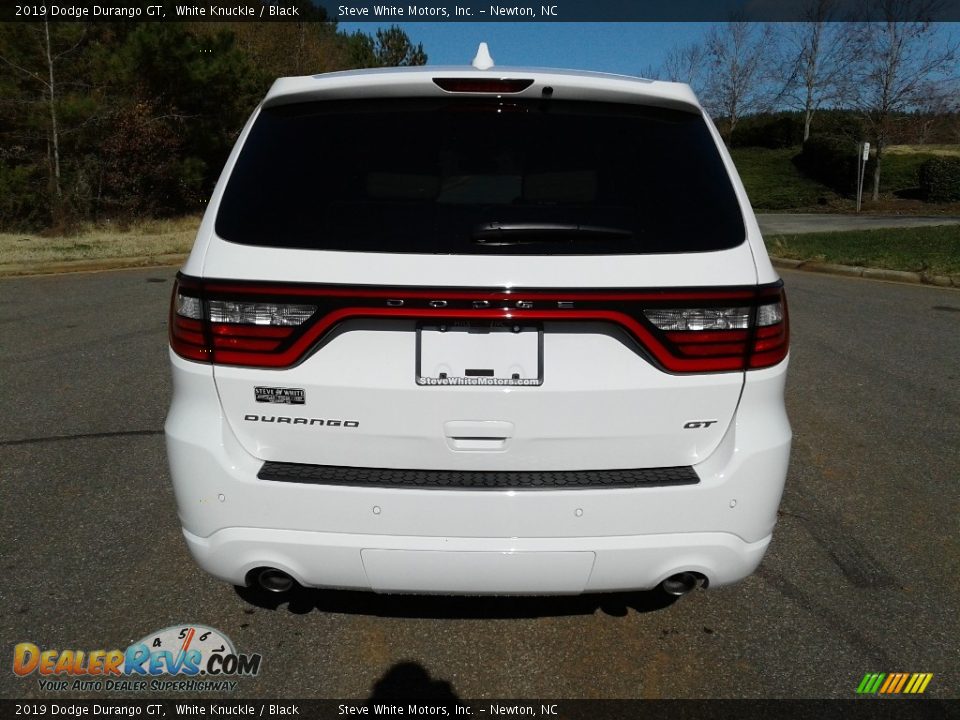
<point x="680" y="584"/>
<point x="275" y="581"/>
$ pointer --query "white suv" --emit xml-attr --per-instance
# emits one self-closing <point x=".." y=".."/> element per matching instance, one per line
<point x="501" y="331"/>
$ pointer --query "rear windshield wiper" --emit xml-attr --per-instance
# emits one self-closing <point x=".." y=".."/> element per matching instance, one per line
<point x="497" y="233"/>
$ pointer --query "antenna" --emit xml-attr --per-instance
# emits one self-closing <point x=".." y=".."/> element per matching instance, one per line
<point x="483" y="61"/>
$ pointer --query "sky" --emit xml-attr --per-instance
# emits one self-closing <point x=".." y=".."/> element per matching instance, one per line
<point x="621" y="47"/>
<point x="625" y="48"/>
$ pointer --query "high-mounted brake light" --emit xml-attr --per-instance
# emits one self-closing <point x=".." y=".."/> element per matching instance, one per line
<point x="681" y="330"/>
<point x="502" y="86"/>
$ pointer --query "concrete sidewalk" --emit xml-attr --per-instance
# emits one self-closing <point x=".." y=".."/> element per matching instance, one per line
<point x="798" y="223"/>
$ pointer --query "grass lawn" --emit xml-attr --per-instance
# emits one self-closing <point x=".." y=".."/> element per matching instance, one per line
<point x="950" y="150"/>
<point x="773" y="182"/>
<point x="143" y="239"/>
<point x="934" y="250"/>
<point x="899" y="172"/>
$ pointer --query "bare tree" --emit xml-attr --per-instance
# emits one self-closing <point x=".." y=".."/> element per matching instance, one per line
<point x="736" y="53"/>
<point x="44" y="75"/>
<point x="686" y="64"/>
<point x="895" y="60"/>
<point x="936" y="103"/>
<point x="812" y="61"/>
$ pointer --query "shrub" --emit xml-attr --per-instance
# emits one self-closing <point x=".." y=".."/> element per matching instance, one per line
<point x="24" y="200"/>
<point x="833" y="161"/>
<point x="940" y="179"/>
<point x="768" y="131"/>
<point x="838" y="123"/>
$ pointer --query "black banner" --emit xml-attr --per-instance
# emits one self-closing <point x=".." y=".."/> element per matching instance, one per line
<point x="469" y="11"/>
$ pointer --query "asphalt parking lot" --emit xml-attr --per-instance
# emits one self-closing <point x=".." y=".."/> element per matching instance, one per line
<point x="862" y="575"/>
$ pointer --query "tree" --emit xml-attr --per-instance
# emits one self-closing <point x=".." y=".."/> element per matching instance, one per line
<point x="128" y="119"/>
<point x="188" y="95"/>
<point x="686" y="64"/>
<point x="896" y="59"/>
<point x="390" y="48"/>
<point x="812" y="62"/>
<point x="393" y="49"/>
<point x="36" y="54"/>
<point x="736" y="53"/>
<point x="936" y="103"/>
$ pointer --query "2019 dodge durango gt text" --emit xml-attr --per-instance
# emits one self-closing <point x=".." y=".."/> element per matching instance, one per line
<point x="478" y="331"/>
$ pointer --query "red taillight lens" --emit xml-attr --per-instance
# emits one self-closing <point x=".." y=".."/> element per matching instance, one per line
<point x="231" y="332"/>
<point x="188" y="331"/>
<point x="679" y="330"/>
<point x="771" y="338"/>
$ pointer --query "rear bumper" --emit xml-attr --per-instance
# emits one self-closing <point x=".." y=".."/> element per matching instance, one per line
<point x="476" y="541"/>
<point x="475" y="566"/>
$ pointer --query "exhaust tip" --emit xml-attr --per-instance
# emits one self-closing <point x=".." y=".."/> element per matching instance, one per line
<point x="680" y="584"/>
<point x="275" y="581"/>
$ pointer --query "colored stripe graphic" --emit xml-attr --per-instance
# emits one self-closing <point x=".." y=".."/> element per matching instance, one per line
<point x="876" y="682"/>
<point x="891" y="681"/>
<point x="894" y="683"/>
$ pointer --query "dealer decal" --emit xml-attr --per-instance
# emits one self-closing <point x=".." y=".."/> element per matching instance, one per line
<point x="279" y="395"/>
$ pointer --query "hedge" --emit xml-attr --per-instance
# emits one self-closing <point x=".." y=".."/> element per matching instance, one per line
<point x="940" y="179"/>
<point x="833" y="161"/>
<point x="768" y="131"/>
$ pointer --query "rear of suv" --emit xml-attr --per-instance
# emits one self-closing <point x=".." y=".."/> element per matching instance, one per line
<point x="502" y="331"/>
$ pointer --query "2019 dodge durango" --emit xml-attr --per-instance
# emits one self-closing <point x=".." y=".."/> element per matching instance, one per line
<point x="478" y="331"/>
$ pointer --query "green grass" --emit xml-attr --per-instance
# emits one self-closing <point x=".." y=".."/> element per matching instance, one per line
<point x="147" y="238"/>
<point x="899" y="172"/>
<point x="773" y="182"/>
<point x="934" y="250"/>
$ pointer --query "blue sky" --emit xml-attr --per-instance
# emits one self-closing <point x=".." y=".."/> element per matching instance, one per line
<point x="620" y="47"/>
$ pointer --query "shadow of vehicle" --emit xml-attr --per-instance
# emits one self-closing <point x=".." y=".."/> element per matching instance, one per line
<point x="302" y="600"/>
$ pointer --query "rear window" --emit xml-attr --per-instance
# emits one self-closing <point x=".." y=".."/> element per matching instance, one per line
<point x="487" y="176"/>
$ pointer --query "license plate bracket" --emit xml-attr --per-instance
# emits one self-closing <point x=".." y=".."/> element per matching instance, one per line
<point x="471" y="354"/>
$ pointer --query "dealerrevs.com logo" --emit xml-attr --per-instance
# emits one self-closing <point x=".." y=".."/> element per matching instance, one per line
<point x="179" y="658"/>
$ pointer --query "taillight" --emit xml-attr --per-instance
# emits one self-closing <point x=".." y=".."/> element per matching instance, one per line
<point x="231" y="332"/>
<point x="188" y="331"/>
<point x="771" y="338"/>
<point x="681" y="330"/>
<point x="727" y="338"/>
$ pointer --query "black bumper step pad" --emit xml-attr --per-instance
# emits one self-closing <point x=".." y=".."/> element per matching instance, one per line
<point x="477" y="479"/>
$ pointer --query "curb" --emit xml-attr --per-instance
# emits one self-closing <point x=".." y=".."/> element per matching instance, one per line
<point x="68" y="266"/>
<point x="869" y="273"/>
